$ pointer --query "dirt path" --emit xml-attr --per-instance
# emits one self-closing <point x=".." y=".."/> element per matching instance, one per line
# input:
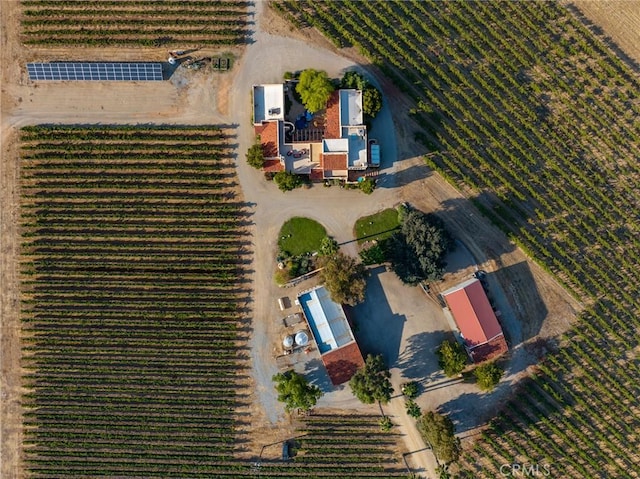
<point x="192" y="97"/>
<point x="10" y="409"/>
<point x="420" y="459"/>
<point x="542" y="307"/>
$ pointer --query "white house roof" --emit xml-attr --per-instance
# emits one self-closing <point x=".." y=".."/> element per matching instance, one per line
<point x="268" y="102"/>
<point x="335" y="145"/>
<point x="326" y="319"/>
<point x="351" y="107"/>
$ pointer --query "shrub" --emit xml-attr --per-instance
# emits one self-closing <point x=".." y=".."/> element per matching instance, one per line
<point x="367" y="186"/>
<point x="328" y="246"/>
<point x="287" y="181"/>
<point x="353" y="79"/>
<point x="255" y="156"/>
<point x="376" y="254"/>
<point x="385" y="424"/>
<point x="410" y="389"/>
<point x="488" y="375"/>
<point x="282" y="276"/>
<point x="371" y="101"/>
<point x="413" y="409"/>
<point x="452" y="358"/>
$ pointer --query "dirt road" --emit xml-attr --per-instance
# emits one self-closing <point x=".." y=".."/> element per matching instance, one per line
<point x="192" y="97"/>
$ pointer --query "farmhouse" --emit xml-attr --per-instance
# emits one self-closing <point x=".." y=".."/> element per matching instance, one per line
<point x="481" y="333"/>
<point x="328" y="323"/>
<point x="336" y="149"/>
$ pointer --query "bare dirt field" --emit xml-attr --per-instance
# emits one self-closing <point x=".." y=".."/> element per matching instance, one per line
<point x="618" y="19"/>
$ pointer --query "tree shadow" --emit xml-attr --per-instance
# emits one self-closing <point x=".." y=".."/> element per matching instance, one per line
<point x="419" y="361"/>
<point x="458" y="258"/>
<point x="600" y="34"/>
<point x="468" y="411"/>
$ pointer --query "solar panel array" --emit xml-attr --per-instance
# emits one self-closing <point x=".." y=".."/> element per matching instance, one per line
<point x="95" y="71"/>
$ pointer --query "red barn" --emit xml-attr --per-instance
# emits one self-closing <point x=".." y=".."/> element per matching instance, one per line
<point x="474" y="316"/>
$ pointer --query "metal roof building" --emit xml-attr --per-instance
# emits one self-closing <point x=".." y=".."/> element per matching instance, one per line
<point x="474" y="316"/>
<point x="330" y="328"/>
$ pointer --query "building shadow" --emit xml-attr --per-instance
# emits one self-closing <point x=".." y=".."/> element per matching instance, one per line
<point x="519" y="287"/>
<point x="316" y="374"/>
<point x="377" y="328"/>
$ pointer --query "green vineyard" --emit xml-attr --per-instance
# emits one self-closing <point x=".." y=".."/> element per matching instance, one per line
<point x="133" y="260"/>
<point x="135" y="23"/>
<point x="336" y="445"/>
<point x="134" y="254"/>
<point x="539" y="123"/>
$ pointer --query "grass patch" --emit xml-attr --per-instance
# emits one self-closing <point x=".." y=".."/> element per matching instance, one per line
<point x="378" y="226"/>
<point x="300" y="235"/>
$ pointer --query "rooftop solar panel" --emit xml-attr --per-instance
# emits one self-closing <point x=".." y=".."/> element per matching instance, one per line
<point x="95" y="71"/>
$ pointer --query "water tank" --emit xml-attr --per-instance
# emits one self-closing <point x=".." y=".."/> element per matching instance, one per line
<point x="287" y="342"/>
<point x="172" y="61"/>
<point x="302" y="339"/>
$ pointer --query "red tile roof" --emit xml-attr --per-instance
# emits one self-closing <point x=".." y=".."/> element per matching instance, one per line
<point x="473" y="314"/>
<point x="494" y="348"/>
<point x="268" y="132"/>
<point x="272" y="166"/>
<point x="334" y="161"/>
<point x="332" y="116"/>
<point x="342" y="363"/>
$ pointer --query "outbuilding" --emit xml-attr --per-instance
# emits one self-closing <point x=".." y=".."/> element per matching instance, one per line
<point x="328" y="323"/>
<point x="479" y="328"/>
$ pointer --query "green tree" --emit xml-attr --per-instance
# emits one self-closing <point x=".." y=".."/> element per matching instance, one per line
<point x="371" y="101"/>
<point x="417" y="251"/>
<point x="353" y="79"/>
<point x="371" y="96"/>
<point x="410" y="389"/>
<point x="314" y="88"/>
<point x="367" y="186"/>
<point x="488" y="375"/>
<point x="438" y="432"/>
<point x="295" y="391"/>
<point x="255" y="156"/>
<point x="287" y="181"/>
<point x="413" y="409"/>
<point x="328" y="246"/>
<point x="452" y="358"/>
<point x="372" y="382"/>
<point x="344" y="278"/>
<point x="375" y="254"/>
